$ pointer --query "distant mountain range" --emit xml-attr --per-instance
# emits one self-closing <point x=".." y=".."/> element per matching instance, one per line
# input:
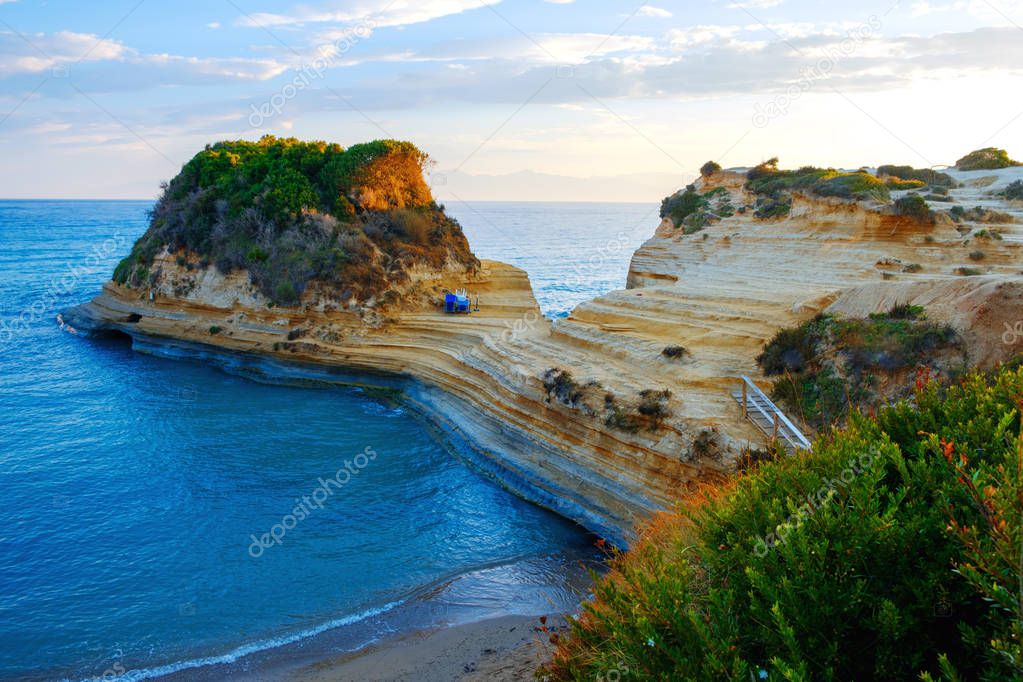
<point x="531" y="186"/>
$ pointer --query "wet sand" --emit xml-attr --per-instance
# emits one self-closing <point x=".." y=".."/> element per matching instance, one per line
<point x="495" y="650"/>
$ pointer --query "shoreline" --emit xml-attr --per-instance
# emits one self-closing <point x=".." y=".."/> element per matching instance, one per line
<point x="499" y="649"/>
<point x="432" y="623"/>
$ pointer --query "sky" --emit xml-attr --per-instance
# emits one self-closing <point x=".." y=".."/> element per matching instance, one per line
<point x="574" y="100"/>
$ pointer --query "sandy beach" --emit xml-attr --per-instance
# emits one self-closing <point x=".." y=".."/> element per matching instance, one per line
<point x="499" y="649"/>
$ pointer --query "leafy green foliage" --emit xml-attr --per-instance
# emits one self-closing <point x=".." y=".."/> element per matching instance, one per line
<point x="899" y="184"/>
<point x="925" y="175"/>
<point x="291" y="212"/>
<point x="851" y="186"/>
<point x="767" y="180"/>
<point x="829" y="365"/>
<point x="1014" y="191"/>
<point x="773" y="206"/>
<point x="710" y="168"/>
<point x="914" y="206"/>
<point x="683" y="204"/>
<point x="895" y="554"/>
<point x="989" y="158"/>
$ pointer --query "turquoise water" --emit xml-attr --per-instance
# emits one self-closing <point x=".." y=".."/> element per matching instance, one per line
<point x="134" y="487"/>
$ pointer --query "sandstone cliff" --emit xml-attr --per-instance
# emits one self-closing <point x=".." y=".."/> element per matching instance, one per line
<point x="490" y="382"/>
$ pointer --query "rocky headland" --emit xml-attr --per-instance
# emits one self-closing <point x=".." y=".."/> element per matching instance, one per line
<point x="606" y="416"/>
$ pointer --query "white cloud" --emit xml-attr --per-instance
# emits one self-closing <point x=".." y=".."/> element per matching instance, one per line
<point x="38" y="52"/>
<point x="651" y="11"/>
<point x="755" y="4"/>
<point x="380" y="12"/>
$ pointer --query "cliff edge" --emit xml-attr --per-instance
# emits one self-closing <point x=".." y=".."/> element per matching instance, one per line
<point x="604" y="417"/>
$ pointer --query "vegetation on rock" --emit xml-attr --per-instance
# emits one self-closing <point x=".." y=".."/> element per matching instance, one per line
<point x="291" y="212"/>
<point x="675" y="352"/>
<point x="767" y="180"/>
<point x="710" y="168"/>
<point x="1014" y="191"/>
<point x="989" y="158"/>
<point x="925" y="175"/>
<point x="892" y="551"/>
<point x="830" y="365"/>
<point x="914" y="206"/>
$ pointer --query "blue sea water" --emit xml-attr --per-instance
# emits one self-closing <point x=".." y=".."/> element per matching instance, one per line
<point x="132" y="486"/>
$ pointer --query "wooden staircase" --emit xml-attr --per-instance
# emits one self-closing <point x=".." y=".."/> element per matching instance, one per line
<point x="766" y="416"/>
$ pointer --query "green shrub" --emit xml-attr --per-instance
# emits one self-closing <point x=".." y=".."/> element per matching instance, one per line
<point x="925" y="175"/>
<point x="654" y="404"/>
<point x="767" y="180"/>
<point x="681" y="205"/>
<point x="285" y="294"/>
<point x="900" y="184"/>
<point x="560" y="385"/>
<point x="619" y="418"/>
<point x="675" y="352"/>
<point x="901" y="311"/>
<point x="214" y="330"/>
<point x="1014" y="191"/>
<point x="979" y="214"/>
<point x="890" y="552"/>
<point x="290" y="212"/>
<point x="710" y="168"/>
<point x="969" y="272"/>
<point x="829" y="365"/>
<point x="858" y="186"/>
<point x="913" y="206"/>
<point x="775" y="206"/>
<point x="767" y="168"/>
<point x="989" y="158"/>
<point x="988" y="234"/>
<point x="977" y="255"/>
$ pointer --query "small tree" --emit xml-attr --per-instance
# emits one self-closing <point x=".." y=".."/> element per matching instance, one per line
<point x="710" y="168"/>
<point x="989" y="158"/>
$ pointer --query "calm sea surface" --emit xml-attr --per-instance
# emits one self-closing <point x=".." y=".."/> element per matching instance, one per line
<point x="131" y="486"/>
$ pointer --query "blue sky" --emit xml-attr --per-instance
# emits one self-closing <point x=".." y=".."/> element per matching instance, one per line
<point x="108" y="98"/>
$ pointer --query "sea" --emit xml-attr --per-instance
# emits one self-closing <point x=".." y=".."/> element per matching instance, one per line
<point x="148" y="506"/>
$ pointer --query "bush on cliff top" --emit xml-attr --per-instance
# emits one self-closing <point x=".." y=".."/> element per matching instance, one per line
<point x="1014" y="191"/>
<point x="914" y="206"/>
<point x="989" y="158"/>
<point x="924" y="175"/>
<point x="710" y="168"/>
<point x="892" y="551"/>
<point x="829" y="366"/>
<point x="681" y="205"/>
<point x="290" y="212"/>
<point x="767" y="180"/>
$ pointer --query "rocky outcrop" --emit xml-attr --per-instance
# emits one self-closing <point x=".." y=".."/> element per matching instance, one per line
<point x="576" y="447"/>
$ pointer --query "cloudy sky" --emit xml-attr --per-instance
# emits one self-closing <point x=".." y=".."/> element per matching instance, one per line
<point x="513" y="99"/>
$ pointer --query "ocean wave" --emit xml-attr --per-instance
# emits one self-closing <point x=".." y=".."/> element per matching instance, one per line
<point x="245" y="649"/>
